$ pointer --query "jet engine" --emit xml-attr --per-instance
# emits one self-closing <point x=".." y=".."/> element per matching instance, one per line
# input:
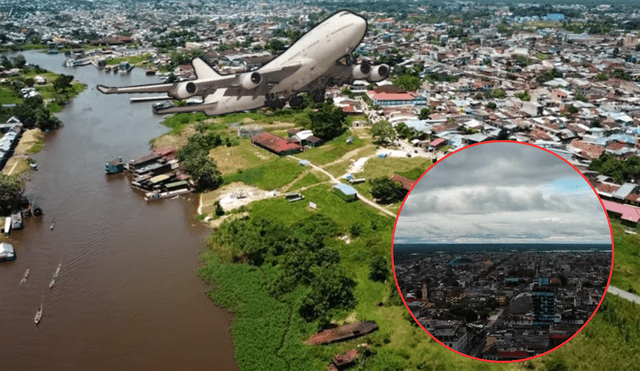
<point x="361" y="71"/>
<point x="379" y="73"/>
<point x="250" y="80"/>
<point x="184" y="90"/>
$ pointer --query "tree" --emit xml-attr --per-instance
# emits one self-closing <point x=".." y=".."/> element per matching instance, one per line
<point x="379" y="269"/>
<point x="523" y="96"/>
<point x="62" y="83"/>
<point x="356" y="229"/>
<point x="203" y="170"/>
<point x="273" y="46"/>
<point x="407" y="82"/>
<point x="581" y="97"/>
<point x="503" y="135"/>
<point x="328" y="122"/>
<point x="385" y="190"/>
<point x="11" y="189"/>
<point x="382" y="132"/>
<point x="219" y="209"/>
<point x="425" y="112"/>
<point x="498" y="93"/>
<point x="491" y="105"/>
<point x="331" y="290"/>
<point x="19" y="61"/>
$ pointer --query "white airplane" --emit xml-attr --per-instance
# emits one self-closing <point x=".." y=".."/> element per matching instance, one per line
<point x="322" y="56"/>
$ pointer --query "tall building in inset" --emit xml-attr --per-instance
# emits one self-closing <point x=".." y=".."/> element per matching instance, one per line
<point x="544" y="306"/>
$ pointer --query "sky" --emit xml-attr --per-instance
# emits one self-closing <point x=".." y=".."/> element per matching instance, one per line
<point x="502" y="193"/>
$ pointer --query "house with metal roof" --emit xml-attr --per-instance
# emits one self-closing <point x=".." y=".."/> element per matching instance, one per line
<point x="345" y="192"/>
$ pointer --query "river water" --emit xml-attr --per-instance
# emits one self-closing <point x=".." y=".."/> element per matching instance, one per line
<point x="127" y="296"/>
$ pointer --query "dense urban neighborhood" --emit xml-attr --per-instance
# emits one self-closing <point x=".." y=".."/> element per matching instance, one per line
<point x="504" y="305"/>
<point x="301" y="200"/>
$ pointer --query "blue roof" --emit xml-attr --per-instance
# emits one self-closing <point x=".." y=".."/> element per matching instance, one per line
<point x="346" y="189"/>
<point x="419" y="125"/>
<point x="555" y="17"/>
<point x="304" y="162"/>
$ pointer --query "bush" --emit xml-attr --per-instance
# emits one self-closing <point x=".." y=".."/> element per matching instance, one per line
<point x="379" y="269"/>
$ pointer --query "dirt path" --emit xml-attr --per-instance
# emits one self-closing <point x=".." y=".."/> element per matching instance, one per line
<point x="347" y="156"/>
<point x="624" y="294"/>
<point x="360" y="197"/>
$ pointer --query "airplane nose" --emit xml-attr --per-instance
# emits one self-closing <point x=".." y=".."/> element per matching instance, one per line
<point x="360" y="25"/>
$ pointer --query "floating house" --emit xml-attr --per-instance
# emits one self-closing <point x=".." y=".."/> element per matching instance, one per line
<point x="6" y="252"/>
<point x="115" y="166"/>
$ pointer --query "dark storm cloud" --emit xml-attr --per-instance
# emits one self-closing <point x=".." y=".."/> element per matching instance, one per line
<point x="502" y="192"/>
<point x="497" y="164"/>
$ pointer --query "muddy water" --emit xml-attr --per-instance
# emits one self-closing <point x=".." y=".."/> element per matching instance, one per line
<point x="127" y="296"/>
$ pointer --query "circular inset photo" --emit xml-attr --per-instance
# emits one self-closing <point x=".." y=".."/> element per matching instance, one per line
<point x="502" y="251"/>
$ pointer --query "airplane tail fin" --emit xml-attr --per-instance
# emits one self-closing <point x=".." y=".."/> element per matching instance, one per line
<point x="202" y="69"/>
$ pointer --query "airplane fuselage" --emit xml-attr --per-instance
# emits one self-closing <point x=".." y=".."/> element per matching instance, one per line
<point x="322" y="56"/>
<point x="317" y="50"/>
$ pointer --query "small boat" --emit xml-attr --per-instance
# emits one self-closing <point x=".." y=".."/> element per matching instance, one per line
<point x="53" y="224"/>
<point x="34" y="165"/>
<point x="24" y="278"/>
<point x="55" y="276"/>
<point x="38" y="316"/>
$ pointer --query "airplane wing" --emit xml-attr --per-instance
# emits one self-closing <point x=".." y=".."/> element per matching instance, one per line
<point x="208" y="81"/>
<point x="269" y="76"/>
<point x="155" y="88"/>
<point x="204" y="107"/>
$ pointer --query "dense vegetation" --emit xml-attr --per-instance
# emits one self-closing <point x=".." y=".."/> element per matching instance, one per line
<point x="620" y="170"/>
<point x="382" y="132"/>
<point x="194" y="157"/>
<point x="385" y="190"/>
<point x="328" y="122"/>
<point x="11" y="189"/>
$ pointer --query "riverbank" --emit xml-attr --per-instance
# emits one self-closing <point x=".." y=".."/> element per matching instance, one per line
<point x="31" y="142"/>
<point x="30" y="99"/>
<point x="101" y="305"/>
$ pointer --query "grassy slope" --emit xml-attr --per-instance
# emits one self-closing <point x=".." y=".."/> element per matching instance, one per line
<point x="376" y="167"/>
<point x="243" y="156"/>
<point x="626" y="264"/>
<point x="332" y="150"/>
<point x="269" y="176"/>
<point x="609" y="342"/>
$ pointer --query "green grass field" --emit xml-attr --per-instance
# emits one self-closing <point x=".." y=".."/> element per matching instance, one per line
<point x="269" y="176"/>
<point x="376" y="167"/>
<point x="135" y="59"/>
<point x="609" y="342"/>
<point x="7" y="96"/>
<point x="626" y="263"/>
<point x="240" y="157"/>
<point x="333" y="149"/>
<point x="179" y="121"/>
<point x="308" y="179"/>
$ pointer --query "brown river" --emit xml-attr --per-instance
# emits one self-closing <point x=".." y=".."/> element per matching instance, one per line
<point x="127" y="296"/>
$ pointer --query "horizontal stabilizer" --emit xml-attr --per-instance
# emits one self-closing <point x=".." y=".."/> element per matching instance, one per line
<point x="154" y="88"/>
<point x="204" y="107"/>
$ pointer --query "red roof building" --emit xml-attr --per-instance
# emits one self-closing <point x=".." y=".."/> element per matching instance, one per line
<point x="438" y="142"/>
<point x="406" y="183"/>
<point x="588" y="150"/>
<point x="625" y="212"/>
<point x="513" y="355"/>
<point x="275" y="144"/>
